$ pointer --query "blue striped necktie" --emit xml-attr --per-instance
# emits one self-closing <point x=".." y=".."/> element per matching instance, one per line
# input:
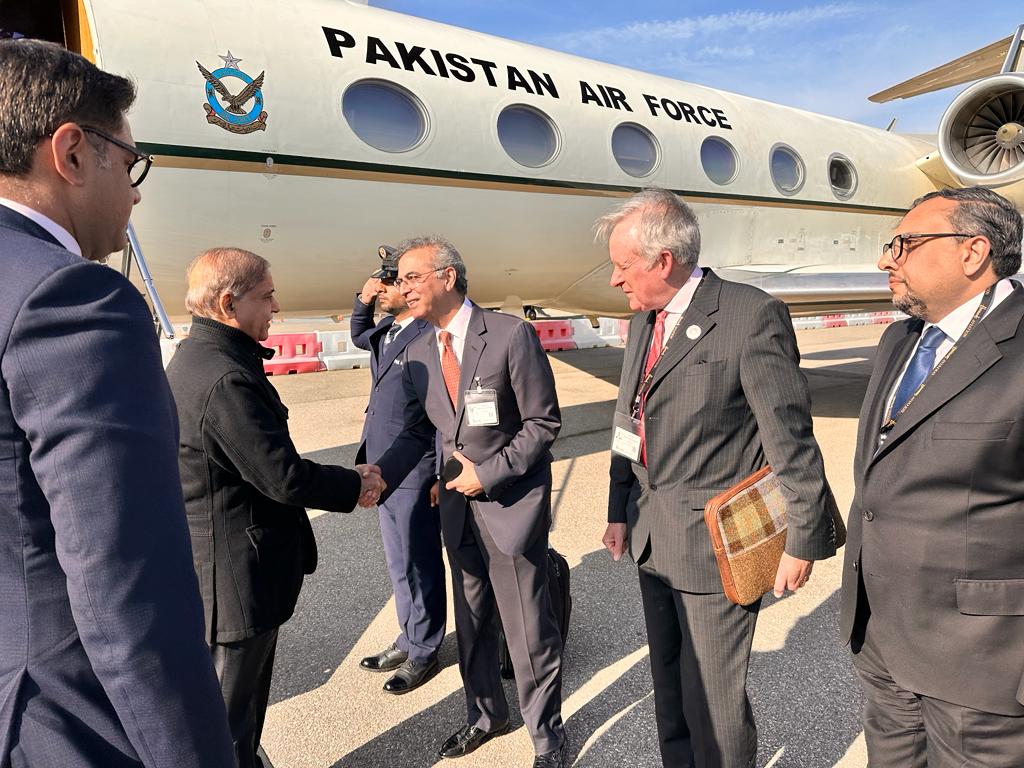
<point x="920" y="366"/>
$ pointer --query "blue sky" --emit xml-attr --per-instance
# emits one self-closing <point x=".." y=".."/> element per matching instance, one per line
<point x="827" y="57"/>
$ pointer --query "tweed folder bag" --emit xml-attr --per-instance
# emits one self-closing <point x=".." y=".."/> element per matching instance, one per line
<point x="747" y="524"/>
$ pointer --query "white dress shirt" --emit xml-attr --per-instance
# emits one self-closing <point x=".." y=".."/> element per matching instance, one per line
<point x="681" y="302"/>
<point x="458" y="328"/>
<point x="60" y="234"/>
<point x="953" y="326"/>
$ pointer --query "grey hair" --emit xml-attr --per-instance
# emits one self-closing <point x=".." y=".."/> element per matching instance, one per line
<point x="980" y="211"/>
<point x="42" y="87"/>
<point x="666" y="224"/>
<point x="445" y="255"/>
<point x="217" y="271"/>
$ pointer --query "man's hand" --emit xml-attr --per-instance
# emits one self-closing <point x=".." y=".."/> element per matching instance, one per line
<point x="793" y="574"/>
<point x="466" y="483"/>
<point x="614" y="539"/>
<point x="369" y="293"/>
<point x="373" y="484"/>
<point x="435" y="494"/>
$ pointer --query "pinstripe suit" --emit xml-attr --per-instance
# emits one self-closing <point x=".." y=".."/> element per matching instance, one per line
<point x="727" y="398"/>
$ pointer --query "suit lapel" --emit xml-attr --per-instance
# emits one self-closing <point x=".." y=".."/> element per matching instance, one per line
<point x="975" y="355"/>
<point x="400" y="342"/>
<point x="880" y="385"/>
<point x="696" y="316"/>
<point x="639" y="341"/>
<point x="471" y="352"/>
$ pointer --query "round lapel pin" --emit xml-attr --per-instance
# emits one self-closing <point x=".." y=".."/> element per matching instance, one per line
<point x="693" y="332"/>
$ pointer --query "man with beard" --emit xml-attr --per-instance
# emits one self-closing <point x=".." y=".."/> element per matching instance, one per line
<point x="410" y="524"/>
<point x="933" y="582"/>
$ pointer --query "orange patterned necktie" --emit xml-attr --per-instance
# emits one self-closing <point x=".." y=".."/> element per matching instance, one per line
<point x="450" y="367"/>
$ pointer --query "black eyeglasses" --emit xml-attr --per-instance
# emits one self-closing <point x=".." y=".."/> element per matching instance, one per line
<point x="896" y="248"/>
<point x="140" y="166"/>
<point x="414" y="278"/>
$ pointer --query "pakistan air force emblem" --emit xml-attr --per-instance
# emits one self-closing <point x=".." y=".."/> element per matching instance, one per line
<point x="227" y="109"/>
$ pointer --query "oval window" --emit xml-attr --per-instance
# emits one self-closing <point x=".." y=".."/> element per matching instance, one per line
<point x="842" y="176"/>
<point x="384" y="115"/>
<point x="718" y="159"/>
<point x="635" y="149"/>
<point x="527" y="135"/>
<point x="787" y="170"/>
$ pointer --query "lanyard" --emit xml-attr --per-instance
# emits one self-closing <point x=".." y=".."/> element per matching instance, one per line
<point x="645" y="385"/>
<point x="986" y="299"/>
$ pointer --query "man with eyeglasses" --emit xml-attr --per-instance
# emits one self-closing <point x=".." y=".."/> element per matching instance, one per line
<point x="102" y="654"/>
<point x="410" y="526"/>
<point x="482" y="379"/>
<point x="933" y="579"/>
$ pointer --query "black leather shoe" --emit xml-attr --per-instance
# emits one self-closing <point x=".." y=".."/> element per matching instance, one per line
<point x="468" y="739"/>
<point x="553" y="759"/>
<point x="411" y="675"/>
<point x="385" y="661"/>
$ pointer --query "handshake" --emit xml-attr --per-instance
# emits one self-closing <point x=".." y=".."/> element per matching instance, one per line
<point x="373" y="484"/>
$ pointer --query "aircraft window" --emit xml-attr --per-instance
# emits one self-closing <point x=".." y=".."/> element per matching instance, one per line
<point x="635" y="149"/>
<point x="842" y="176"/>
<point x="787" y="169"/>
<point x="527" y="135"/>
<point x="384" y="115"/>
<point x="719" y="159"/>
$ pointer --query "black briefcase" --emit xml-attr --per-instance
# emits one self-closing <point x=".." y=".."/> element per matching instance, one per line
<point x="561" y="602"/>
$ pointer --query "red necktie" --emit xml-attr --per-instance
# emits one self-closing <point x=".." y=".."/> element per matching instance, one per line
<point x="657" y="341"/>
<point x="450" y="367"/>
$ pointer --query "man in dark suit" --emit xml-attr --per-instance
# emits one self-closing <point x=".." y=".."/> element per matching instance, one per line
<point x="246" y="486"/>
<point x="483" y="380"/>
<point x="933" y="579"/>
<point x="102" y="659"/>
<point x="410" y="524"/>
<point x="711" y="392"/>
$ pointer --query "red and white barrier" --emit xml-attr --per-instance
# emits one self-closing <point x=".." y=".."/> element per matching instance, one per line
<point x="847" y="320"/>
<point x="555" y="335"/>
<point x="296" y="353"/>
<point x="339" y="353"/>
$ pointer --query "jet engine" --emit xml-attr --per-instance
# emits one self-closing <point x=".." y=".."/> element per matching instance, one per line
<point x="981" y="135"/>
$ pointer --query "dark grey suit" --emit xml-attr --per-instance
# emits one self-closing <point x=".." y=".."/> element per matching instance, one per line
<point x="727" y="398"/>
<point x="934" y="567"/>
<point x="102" y="658"/>
<point x="497" y="543"/>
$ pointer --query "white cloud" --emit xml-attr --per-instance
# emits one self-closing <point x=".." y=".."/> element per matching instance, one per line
<point x="699" y="27"/>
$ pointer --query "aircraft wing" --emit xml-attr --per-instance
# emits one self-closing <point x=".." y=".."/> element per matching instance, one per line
<point x="972" y="66"/>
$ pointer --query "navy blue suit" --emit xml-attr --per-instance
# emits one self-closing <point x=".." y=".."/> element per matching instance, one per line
<point x="102" y="656"/>
<point x="409" y="526"/>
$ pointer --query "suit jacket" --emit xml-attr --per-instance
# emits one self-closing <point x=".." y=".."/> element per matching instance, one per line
<point x="102" y="658"/>
<point x="385" y="413"/>
<point x="725" y="401"/>
<point x="246" y="487"/>
<point x="937" y="523"/>
<point x="513" y="458"/>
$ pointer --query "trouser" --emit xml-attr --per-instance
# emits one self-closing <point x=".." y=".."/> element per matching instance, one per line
<point x="244" y="670"/>
<point x="904" y="729"/>
<point x="411" y="531"/>
<point x="483" y="578"/>
<point x="699" y="650"/>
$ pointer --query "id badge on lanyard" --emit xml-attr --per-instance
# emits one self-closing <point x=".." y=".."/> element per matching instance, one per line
<point x="481" y="406"/>
<point x="626" y="438"/>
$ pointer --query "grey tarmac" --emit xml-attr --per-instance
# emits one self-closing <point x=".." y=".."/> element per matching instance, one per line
<point x="325" y="711"/>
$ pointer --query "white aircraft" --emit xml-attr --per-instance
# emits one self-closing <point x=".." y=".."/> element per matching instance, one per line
<point x="314" y="130"/>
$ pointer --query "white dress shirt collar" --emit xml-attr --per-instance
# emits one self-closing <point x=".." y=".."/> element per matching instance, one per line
<point x="681" y="301"/>
<point x="58" y="232"/>
<point x="955" y="323"/>
<point x="458" y="327"/>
